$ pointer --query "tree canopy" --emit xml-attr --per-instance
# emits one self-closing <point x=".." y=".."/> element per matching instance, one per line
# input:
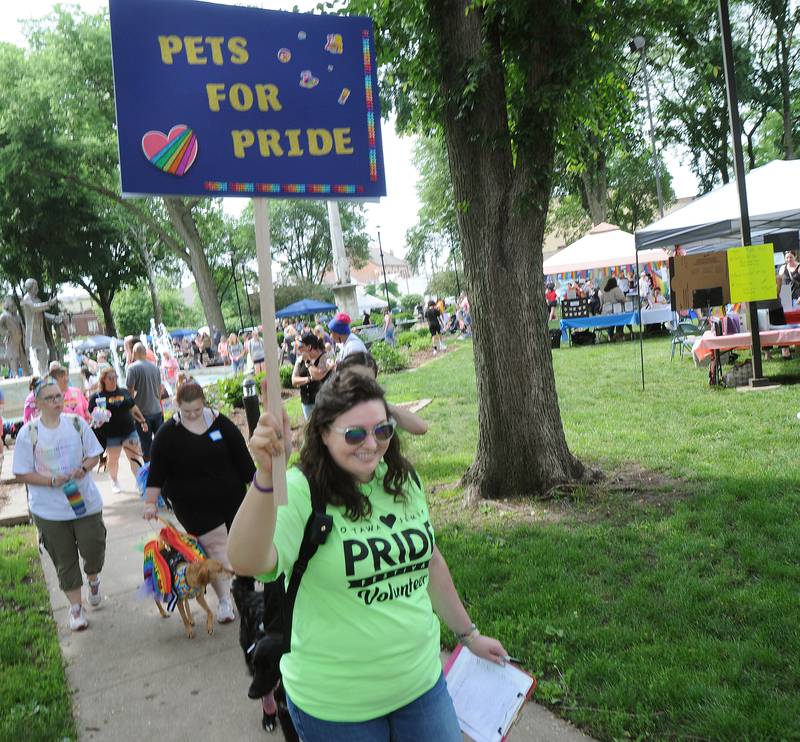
<point x="301" y="238"/>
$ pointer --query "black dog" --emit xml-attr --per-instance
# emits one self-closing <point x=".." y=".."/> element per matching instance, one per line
<point x="10" y="429"/>
<point x="262" y="644"/>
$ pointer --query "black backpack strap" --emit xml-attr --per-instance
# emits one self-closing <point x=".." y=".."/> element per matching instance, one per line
<point x="318" y="526"/>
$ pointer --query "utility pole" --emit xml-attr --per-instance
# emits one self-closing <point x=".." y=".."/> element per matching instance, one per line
<point x="638" y="44"/>
<point x="383" y="268"/>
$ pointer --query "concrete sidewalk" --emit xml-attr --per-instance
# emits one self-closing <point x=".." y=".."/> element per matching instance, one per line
<point x="136" y="676"/>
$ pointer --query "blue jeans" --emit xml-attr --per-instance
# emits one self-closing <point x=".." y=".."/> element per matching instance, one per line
<point x="429" y="717"/>
<point x="154" y="422"/>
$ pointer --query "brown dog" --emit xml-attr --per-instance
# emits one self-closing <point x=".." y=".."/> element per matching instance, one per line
<point x="195" y="576"/>
<point x="177" y="572"/>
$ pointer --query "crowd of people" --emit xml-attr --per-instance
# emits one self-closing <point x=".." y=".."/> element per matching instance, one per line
<point x="617" y="289"/>
<point x="382" y="626"/>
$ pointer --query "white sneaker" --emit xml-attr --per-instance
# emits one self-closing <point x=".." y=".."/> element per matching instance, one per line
<point x="434" y="351"/>
<point x="94" y="593"/>
<point x="225" y="612"/>
<point x="77" y="621"/>
<point x="115" y="488"/>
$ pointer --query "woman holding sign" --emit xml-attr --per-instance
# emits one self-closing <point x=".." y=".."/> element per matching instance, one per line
<point x="54" y="456"/>
<point x="363" y="616"/>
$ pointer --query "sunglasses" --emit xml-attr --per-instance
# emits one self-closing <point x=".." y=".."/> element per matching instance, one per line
<point x="356" y="435"/>
<point x="51" y="398"/>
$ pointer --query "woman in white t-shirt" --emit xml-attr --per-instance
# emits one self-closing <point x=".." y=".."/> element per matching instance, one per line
<point x="256" y="350"/>
<point x="54" y="455"/>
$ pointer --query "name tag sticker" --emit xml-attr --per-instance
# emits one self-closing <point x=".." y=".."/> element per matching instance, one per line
<point x="215" y="435"/>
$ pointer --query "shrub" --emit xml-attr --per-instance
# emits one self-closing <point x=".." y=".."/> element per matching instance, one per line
<point x="390" y="360"/>
<point x="228" y="392"/>
<point x="406" y="338"/>
<point x="420" y="343"/>
<point x="286" y="376"/>
<point x="423" y="332"/>
<point x="409" y="301"/>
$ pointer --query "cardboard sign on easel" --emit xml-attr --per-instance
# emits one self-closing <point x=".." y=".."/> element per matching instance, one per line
<point x="697" y="281"/>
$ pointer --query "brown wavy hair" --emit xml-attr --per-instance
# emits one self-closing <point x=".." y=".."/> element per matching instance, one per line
<point x="343" y="391"/>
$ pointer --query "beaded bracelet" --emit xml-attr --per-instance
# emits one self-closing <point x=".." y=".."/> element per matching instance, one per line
<point x="467" y="637"/>
<point x="265" y="490"/>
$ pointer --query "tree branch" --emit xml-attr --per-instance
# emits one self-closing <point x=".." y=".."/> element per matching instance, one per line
<point x="167" y="239"/>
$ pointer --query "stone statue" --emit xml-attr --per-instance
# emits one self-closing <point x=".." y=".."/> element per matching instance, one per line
<point x="35" y="314"/>
<point x="11" y="327"/>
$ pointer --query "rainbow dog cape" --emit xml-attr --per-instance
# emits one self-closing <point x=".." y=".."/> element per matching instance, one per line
<point x="162" y="559"/>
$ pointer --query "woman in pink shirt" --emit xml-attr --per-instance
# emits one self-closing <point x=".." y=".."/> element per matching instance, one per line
<point x="30" y="411"/>
<point x="169" y="370"/>
<point x="75" y="403"/>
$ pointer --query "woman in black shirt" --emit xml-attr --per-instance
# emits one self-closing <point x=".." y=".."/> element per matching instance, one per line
<point x="310" y="371"/>
<point x="119" y="433"/>
<point x="201" y="462"/>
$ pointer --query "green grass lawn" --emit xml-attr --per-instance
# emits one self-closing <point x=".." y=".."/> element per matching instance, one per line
<point x="34" y="696"/>
<point x="666" y="607"/>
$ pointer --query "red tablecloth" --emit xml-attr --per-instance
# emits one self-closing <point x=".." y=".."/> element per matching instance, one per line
<point x="704" y="346"/>
<point x="792" y="316"/>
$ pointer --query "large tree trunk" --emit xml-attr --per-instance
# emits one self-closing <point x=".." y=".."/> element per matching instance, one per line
<point x="594" y="183"/>
<point x="181" y="216"/>
<point x="158" y="312"/>
<point x="594" y="192"/>
<point x="108" y="316"/>
<point x="521" y="445"/>
<point x="146" y="253"/>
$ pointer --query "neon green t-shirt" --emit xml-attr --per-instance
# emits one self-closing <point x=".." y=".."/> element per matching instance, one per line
<point x="365" y="639"/>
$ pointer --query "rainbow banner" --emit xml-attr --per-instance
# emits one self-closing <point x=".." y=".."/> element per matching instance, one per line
<point x="218" y="100"/>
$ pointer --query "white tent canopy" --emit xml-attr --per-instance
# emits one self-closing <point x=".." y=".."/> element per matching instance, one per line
<point x="605" y="246"/>
<point x="367" y="303"/>
<point x="713" y="221"/>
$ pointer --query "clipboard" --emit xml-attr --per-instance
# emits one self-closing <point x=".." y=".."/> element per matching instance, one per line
<point x="472" y="681"/>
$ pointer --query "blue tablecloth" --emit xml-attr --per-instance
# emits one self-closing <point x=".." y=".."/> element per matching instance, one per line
<point x="598" y="320"/>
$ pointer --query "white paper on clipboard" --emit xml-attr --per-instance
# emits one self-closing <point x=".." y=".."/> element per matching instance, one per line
<point x="486" y="696"/>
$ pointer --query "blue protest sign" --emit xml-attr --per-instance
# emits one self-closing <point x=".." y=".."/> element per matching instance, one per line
<point x="216" y="100"/>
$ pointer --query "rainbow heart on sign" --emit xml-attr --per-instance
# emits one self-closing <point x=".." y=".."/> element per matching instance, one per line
<point x="173" y="153"/>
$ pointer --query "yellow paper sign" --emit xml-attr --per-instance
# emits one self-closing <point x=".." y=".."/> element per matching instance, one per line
<point x="751" y="271"/>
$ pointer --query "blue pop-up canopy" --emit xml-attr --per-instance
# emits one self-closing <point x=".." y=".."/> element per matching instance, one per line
<point x="305" y="306"/>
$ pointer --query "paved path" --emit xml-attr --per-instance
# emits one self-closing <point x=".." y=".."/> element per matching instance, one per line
<point x="135" y="676"/>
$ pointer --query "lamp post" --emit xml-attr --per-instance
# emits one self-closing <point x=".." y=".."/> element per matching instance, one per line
<point x="638" y="44"/>
<point x="738" y="167"/>
<point x="247" y="296"/>
<point x="455" y="270"/>
<point x="383" y="267"/>
<point x="236" y="290"/>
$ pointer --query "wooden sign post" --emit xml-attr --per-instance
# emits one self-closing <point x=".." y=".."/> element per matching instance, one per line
<point x="266" y="295"/>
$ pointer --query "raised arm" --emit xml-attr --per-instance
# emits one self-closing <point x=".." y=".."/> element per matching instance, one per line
<point x="39" y="306"/>
<point x="408" y="421"/>
<point x="250" y="541"/>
